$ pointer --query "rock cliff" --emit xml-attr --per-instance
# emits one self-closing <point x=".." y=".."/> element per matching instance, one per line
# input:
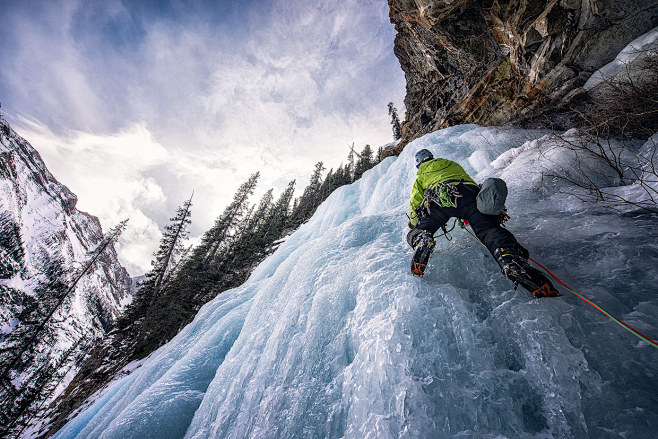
<point x="493" y="62"/>
<point x="44" y="242"/>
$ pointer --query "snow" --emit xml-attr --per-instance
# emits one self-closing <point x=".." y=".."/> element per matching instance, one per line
<point x="332" y="337"/>
<point x="51" y="229"/>
<point x="639" y="47"/>
<point x="646" y="191"/>
<point x="6" y="328"/>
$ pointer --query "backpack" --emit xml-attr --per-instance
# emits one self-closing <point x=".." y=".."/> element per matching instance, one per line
<point x="492" y="196"/>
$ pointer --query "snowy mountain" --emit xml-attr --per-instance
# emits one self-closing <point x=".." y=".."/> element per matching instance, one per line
<point x="44" y="243"/>
<point x="332" y="337"/>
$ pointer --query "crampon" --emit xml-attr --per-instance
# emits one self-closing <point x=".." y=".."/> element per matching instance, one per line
<point x="532" y="280"/>
<point x="424" y="248"/>
<point x="514" y="265"/>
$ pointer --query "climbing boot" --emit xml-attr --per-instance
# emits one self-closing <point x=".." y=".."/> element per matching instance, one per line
<point x="423" y="244"/>
<point x="514" y="265"/>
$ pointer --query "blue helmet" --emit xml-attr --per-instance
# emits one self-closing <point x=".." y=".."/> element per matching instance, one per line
<point x="422" y="156"/>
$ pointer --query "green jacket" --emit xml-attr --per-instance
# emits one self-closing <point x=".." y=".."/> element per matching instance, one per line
<point x="429" y="173"/>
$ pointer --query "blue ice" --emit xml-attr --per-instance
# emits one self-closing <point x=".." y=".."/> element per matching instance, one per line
<point x="332" y="338"/>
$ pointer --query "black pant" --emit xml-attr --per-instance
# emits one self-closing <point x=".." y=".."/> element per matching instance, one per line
<point x="486" y="227"/>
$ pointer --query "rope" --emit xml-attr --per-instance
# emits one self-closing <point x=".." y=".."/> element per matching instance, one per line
<point x="613" y="318"/>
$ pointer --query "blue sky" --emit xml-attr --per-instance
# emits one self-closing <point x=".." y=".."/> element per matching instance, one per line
<point x="134" y="104"/>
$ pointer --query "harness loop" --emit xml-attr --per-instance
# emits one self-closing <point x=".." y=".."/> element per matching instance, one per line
<point x="445" y="194"/>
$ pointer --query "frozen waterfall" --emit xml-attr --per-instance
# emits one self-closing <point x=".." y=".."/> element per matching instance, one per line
<point x="332" y="338"/>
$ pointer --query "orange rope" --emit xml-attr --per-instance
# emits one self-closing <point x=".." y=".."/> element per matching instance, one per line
<point x="619" y="321"/>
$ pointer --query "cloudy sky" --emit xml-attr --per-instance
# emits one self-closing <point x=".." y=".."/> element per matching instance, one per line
<point x="135" y="104"/>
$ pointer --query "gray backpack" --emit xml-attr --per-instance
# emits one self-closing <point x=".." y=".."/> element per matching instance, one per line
<point x="492" y="196"/>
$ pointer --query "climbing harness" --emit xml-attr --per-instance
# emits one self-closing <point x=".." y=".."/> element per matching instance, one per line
<point x="463" y="223"/>
<point x="445" y="194"/>
<point x="612" y="317"/>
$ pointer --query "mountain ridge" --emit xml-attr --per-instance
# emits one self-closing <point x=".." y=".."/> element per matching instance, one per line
<point x="45" y="241"/>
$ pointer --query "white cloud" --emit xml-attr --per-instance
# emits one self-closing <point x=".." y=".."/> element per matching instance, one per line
<point x="196" y="105"/>
<point x="107" y="173"/>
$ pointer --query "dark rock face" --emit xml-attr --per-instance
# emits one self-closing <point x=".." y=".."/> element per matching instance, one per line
<point x="497" y="61"/>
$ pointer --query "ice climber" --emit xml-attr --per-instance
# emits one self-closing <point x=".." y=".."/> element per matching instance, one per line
<point x="443" y="190"/>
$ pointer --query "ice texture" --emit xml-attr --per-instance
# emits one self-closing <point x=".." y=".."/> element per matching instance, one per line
<point x="331" y="337"/>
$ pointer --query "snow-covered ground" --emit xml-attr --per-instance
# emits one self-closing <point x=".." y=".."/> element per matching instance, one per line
<point x="332" y="337"/>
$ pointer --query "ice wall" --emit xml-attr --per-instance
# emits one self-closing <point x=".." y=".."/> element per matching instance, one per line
<point x="331" y="336"/>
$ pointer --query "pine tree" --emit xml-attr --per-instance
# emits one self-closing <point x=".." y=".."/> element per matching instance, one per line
<point x="310" y="199"/>
<point x="200" y="277"/>
<point x="259" y="233"/>
<point x="395" y="121"/>
<point x="31" y="328"/>
<point x="167" y="260"/>
<point x="250" y="237"/>
<point x="224" y="227"/>
<point x="28" y="404"/>
<point x="258" y="222"/>
<point x="328" y="186"/>
<point x="198" y="280"/>
<point x="350" y="164"/>
<point x="278" y="216"/>
<point x="170" y="249"/>
<point x="343" y="176"/>
<point x="364" y="163"/>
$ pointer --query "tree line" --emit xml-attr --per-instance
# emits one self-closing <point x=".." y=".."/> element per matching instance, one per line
<point x="182" y="278"/>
